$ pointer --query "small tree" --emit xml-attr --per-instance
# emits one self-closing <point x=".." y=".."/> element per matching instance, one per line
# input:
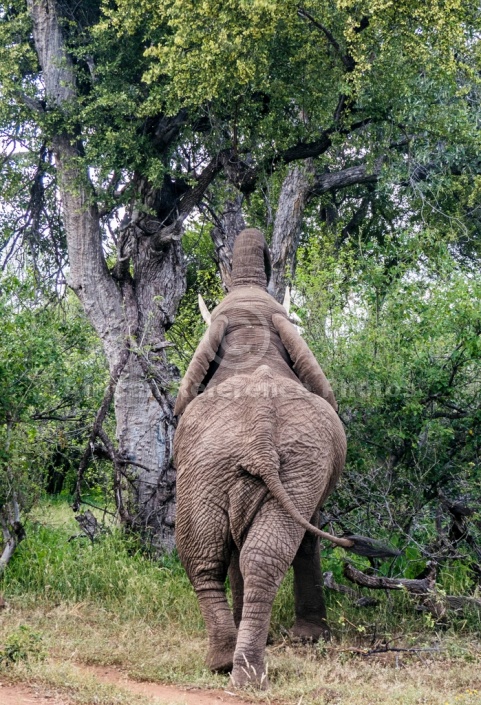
<point x="47" y="358"/>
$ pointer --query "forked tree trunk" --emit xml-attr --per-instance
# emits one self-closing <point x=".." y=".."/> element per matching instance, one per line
<point x="294" y="195"/>
<point x="128" y="311"/>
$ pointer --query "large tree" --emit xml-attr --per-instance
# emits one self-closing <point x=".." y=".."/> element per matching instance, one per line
<point x="137" y="114"/>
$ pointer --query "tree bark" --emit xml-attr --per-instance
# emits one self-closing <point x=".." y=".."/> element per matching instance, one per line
<point x="229" y="225"/>
<point x="125" y="309"/>
<point x="293" y="198"/>
<point x="12" y="529"/>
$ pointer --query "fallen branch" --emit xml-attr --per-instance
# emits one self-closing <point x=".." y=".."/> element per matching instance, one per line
<point x="424" y="590"/>
<point x="385" y="650"/>
<point x="416" y="587"/>
<point x="459" y="602"/>
<point x="359" y="600"/>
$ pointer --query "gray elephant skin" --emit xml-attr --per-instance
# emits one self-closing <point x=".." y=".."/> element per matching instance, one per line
<point x="258" y="448"/>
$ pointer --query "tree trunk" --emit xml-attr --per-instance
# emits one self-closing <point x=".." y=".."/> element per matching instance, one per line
<point x="12" y="529"/>
<point x="229" y="225"/>
<point x="293" y="197"/>
<point x="143" y="402"/>
<point x="126" y="310"/>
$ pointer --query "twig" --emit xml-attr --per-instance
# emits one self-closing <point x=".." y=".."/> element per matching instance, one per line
<point x="385" y="650"/>
<point x="97" y="426"/>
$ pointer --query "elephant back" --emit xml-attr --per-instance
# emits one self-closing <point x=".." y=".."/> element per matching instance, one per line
<point x="251" y="339"/>
<point x="254" y="425"/>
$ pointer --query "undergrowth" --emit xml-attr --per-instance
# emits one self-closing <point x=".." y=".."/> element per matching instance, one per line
<point x="111" y="572"/>
<point x="115" y="573"/>
<point x="109" y="603"/>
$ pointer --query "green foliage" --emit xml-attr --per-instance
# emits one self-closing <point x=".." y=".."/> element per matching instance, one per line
<point x="23" y="644"/>
<point x="51" y="376"/>
<point x="399" y="336"/>
<point x="113" y="572"/>
<point x="202" y="278"/>
<point x="276" y="69"/>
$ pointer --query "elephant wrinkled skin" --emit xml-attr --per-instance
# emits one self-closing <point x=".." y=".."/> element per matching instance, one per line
<point x="258" y="448"/>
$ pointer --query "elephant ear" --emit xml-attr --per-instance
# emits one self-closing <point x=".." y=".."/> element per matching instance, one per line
<point x="200" y="368"/>
<point x="303" y="361"/>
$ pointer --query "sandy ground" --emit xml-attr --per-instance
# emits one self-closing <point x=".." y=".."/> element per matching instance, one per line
<point x="21" y="695"/>
<point x="157" y="693"/>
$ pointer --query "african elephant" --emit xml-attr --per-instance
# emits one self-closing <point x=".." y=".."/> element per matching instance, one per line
<point x="258" y="448"/>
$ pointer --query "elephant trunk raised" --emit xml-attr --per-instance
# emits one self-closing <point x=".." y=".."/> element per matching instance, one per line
<point x="258" y="448"/>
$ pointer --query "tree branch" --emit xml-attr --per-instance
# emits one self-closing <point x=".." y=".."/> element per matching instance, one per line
<point x="184" y="206"/>
<point x="347" y="177"/>
<point x="425" y="588"/>
<point x="347" y="60"/>
<point x="97" y="425"/>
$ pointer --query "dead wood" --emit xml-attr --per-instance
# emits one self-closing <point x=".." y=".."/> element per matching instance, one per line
<point x="89" y="524"/>
<point x="423" y="589"/>
<point x="359" y="600"/>
<point x="385" y="650"/>
<point x="416" y="587"/>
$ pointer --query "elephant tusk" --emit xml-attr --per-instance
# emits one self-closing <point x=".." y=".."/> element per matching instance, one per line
<point x="204" y="310"/>
<point x="293" y="317"/>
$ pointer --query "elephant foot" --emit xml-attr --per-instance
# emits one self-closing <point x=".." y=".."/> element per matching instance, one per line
<point x="249" y="674"/>
<point x="219" y="662"/>
<point x="311" y="631"/>
<point x="220" y="656"/>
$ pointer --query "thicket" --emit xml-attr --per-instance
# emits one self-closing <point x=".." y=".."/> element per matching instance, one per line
<point x="400" y="343"/>
<point x="51" y="375"/>
<point x="402" y="347"/>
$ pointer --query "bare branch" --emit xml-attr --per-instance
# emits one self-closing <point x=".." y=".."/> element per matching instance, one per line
<point x="97" y="426"/>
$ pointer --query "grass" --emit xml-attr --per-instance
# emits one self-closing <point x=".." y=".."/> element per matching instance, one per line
<point x="107" y="604"/>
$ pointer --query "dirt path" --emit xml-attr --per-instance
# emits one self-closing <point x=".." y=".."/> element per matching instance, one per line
<point x="165" y="693"/>
<point x="158" y="693"/>
<point x="23" y="695"/>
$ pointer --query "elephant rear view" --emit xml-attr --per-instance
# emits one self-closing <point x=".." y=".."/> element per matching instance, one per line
<point x="258" y="449"/>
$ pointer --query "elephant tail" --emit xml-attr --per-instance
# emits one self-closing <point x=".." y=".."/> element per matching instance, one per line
<point x="261" y="458"/>
<point x="360" y="545"/>
<point x="277" y="490"/>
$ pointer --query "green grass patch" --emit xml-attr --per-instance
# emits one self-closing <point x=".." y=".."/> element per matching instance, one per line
<point x="116" y="575"/>
<point x="112" y="572"/>
<point x="108" y="603"/>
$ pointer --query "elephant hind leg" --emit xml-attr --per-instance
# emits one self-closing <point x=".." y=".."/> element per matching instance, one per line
<point x="206" y="563"/>
<point x="310" y="622"/>
<point x="269" y="548"/>
<point x="220" y="626"/>
<point x="236" y="585"/>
